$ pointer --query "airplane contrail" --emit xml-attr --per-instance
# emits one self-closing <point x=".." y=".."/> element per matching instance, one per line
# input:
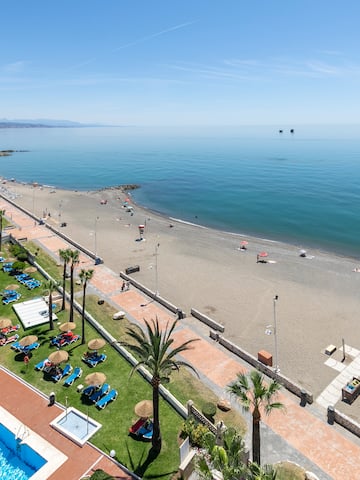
<point x="157" y="34"/>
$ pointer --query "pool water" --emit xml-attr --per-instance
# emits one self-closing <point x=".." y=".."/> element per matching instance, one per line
<point x="17" y="460"/>
<point x="76" y="425"/>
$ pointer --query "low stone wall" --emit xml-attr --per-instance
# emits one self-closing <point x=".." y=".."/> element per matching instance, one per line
<point x="305" y="397"/>
<point x="149" y="293"/>
<point x="207" y="320"/>
<point x="97" y="260"/>
<point x="334" y="416"/>
<point x="193" y="411"/>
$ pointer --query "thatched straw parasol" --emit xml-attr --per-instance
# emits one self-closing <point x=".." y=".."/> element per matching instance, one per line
<point x="96" y="378"/>
<point x="144" y="408"/>
<point x="96" y="343"/>
<point x="5" y="322"/>
<point x="30" y="270"/>
<point x="67" y="326"/>
<point x="58" y="357"/>
<point x="28" y="340"/>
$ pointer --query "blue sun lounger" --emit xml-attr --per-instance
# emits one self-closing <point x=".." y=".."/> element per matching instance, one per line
<point x="63" y="373"/>
<point x="75" y="374"/>
<point x="109" y="397"/>
<point x="100" y="392"/>
<point x="41" y="365"/>
<point x="94" y="359"/>
<point x="89" y="390"/>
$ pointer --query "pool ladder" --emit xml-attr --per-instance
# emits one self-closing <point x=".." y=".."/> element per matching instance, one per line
<point x="22" y="432"/>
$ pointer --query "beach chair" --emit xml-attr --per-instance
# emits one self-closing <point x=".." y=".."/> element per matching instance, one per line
<point x="29" y="348"/>
<point x="11" y="329"/>
<point x="105" y="388"/>
<point x="89" y="390"/>
<point x="109" y="397"/>
<point x="67" y="369"/>
<point x="6" y="341"/>
<point x="15" y="346"/>
<point x="133" y="430"/>
<point x="41" y="365"/>
<point x="94" y="360"/>
<point x="75" y="374"/>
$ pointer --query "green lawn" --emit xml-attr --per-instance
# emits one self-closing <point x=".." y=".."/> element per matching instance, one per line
<point x="119" y="415"/>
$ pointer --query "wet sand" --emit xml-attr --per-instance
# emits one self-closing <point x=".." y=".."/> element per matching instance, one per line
<point x="204" y="269"/>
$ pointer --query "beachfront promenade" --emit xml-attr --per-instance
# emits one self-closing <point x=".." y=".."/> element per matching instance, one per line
<point x="299" y="435"/>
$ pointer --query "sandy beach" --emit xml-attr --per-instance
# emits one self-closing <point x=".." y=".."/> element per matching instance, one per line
<point x="204" y="269"/>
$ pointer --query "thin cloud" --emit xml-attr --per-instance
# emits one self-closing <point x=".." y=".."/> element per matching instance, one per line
<point x="154" y="35"/>
<point x="15" y="67"/>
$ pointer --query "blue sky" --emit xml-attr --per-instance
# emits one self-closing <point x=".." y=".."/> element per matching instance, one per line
<point x="188" y="62"/>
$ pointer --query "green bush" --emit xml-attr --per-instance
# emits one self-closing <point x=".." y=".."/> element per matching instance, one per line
<point x="195" y="431"/>
<point x="209" y="410"/>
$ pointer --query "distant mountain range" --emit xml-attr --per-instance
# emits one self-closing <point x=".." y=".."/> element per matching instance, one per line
<point x="43" y="123"/>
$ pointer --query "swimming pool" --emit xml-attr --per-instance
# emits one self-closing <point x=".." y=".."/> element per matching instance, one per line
<point x="18" y="461"/>
<point x="25" y="455"/>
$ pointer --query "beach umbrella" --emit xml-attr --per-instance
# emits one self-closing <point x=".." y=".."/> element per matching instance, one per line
<point x="28" y="340"/>
<point x="30" y="270"/>
<point x="67" y="326"/>
<point x="244" y="242"/>
<point x="263" y="254"/>
<point x="96" y="378"/>
<point x="96" y="343"/>
<point x="12" y="286"/>
<point x="58" y="357"/>
<point x="5" y="322"/>
<point x="144" y="408"/>
<point x="302" y="253"/>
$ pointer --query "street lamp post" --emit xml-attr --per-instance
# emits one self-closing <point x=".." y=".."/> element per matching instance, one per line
<point x="95" y="238"/>
<point x="277" y="369"/>
<point x="156" y="269"/>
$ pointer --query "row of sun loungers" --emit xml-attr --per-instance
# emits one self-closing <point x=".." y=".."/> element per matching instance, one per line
<point x="19" y="348"/>
<point x="11" y="297"/>
<point x="58" y="373"/>
<point x="142" y="428"/>
<point x="11" y="329"/>
<point x="93" y="359"/>
<point x="64" y="339"/>
<point x="101" y="396"/>
<point x="28" y="281"/>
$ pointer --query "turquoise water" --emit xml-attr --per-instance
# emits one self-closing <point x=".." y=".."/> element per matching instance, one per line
<point x="17" y="461"/>
<point x="302" y="188"/>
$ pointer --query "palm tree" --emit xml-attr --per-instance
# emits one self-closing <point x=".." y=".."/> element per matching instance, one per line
<point x="253" y="394"/>
<point x="65" y="257"/>
<point x="74" y="260"/>
<point x="2" y="213"/>
<point x="153" y="351"/>
<point x="50" y="286"/>
<point x="226" y="458"/>
<point x="85" y="277"/>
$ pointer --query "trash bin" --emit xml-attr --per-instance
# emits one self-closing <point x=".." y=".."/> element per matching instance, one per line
<point x="134" y="268"/>
<point x="51" y="398"/>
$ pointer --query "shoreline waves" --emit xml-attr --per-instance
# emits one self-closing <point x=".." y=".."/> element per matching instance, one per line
<point x="204" y="269"/>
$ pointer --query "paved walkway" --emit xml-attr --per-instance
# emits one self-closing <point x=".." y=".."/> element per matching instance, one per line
<point x="299" y="435"/>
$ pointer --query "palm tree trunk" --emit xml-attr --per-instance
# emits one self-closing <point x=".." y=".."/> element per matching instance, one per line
<point x="83" y="341"/>
<point x="1" y="227"/>
<point x="71" y="319"/>
<point x="51" y="320"/>
<point x="256" y="417"/>
<point x="63" y="286"/>
<point x="156" y="438"/>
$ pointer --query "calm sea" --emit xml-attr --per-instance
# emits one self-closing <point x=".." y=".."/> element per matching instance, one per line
<point x="301" y="188"/>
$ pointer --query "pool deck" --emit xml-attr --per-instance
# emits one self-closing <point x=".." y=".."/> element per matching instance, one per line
<point x="302" y="430"/>
<point x="33" y="410"/>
